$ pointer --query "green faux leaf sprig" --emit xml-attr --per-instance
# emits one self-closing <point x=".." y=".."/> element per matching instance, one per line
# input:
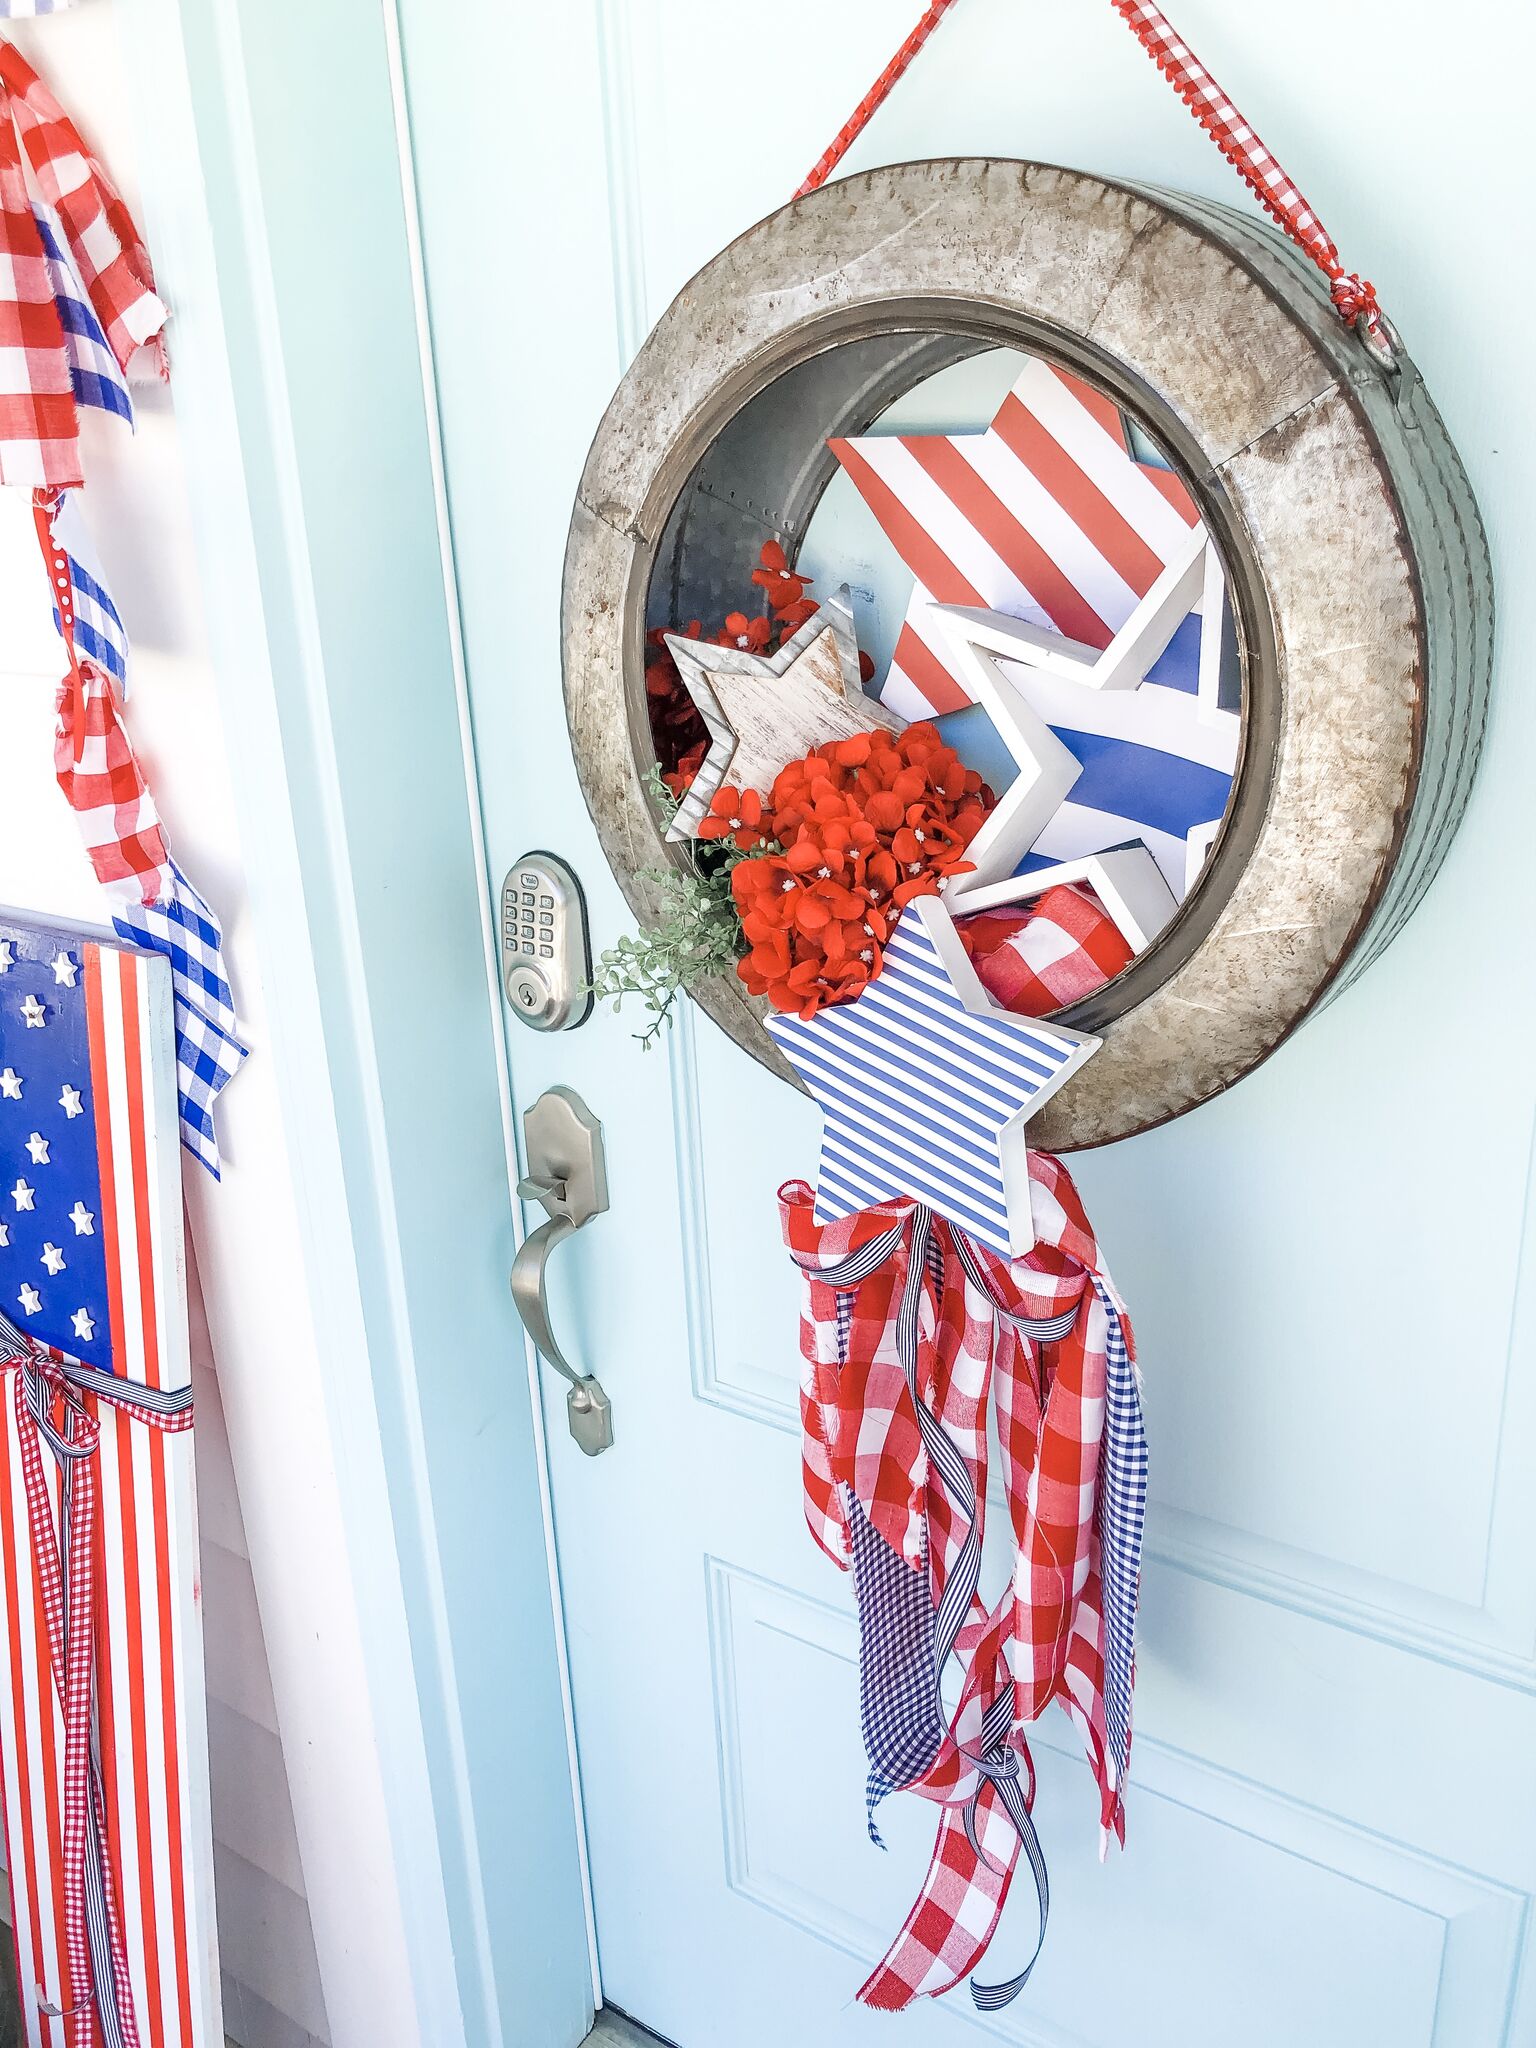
<point x="698" y="933"/>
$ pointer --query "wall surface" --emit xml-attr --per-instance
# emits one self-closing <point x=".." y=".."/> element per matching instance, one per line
<point x="138" y="511"/>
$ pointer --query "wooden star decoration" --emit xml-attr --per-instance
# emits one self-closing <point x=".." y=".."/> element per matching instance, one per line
<point x="764" y="711"/>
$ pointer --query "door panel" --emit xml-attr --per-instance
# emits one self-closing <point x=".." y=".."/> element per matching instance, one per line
<point x="1331" y="1818"/>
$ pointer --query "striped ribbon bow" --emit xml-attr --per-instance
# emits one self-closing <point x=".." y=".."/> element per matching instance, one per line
<point x="910" y="1328"/>
<point x="52" y="1408"/>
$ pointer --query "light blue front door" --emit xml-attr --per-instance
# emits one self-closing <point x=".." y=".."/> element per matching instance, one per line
<point x="1332" y="1826"/>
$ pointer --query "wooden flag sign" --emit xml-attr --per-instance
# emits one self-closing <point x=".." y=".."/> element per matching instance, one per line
<point x="102" y="1721"/>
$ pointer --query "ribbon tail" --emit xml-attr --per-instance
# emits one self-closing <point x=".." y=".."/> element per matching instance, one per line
<point x="963" y="1895"/>
<point x="993" y="1997"/>
<point x="1122" y="1511"/>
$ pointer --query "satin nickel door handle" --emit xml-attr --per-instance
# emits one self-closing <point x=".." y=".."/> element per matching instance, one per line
<point x="563" y="1143"/>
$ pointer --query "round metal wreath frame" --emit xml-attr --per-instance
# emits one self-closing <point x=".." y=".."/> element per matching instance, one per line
<point x="1359" y="572"/>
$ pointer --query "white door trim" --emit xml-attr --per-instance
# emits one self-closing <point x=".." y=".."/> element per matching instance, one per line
<point x="425" y="1892"/>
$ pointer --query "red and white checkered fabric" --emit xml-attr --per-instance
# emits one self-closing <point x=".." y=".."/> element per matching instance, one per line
<point x="108" y="249"/>
<point x="105" y="787"/>
<point x="1039" y="957"/>
<point x="38" y="443"/>
<point x="93" y="756"/>
<point x="1354" y="297"/>
<point x="39" y="439"/>
<point x="1044" y="1638"/>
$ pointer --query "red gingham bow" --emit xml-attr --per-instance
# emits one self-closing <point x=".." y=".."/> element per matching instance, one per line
<point x="49" y="1393"/>
<point x="863" y="1440"/>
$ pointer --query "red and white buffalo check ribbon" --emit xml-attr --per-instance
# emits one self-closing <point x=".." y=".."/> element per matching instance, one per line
<point x="909" y="1329"/>
<point x="39" y="437"/>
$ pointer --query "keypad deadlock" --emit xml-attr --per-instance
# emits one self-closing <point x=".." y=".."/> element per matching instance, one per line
<point x="546" y="960"/>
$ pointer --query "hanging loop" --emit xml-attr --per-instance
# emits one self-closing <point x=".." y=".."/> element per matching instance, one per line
<point x="1354" y="297"/>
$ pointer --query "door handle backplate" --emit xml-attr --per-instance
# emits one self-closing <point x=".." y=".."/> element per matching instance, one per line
<point x="563" y="1146"/>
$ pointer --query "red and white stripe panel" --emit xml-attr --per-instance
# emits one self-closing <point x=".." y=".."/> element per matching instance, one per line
<point x="1046" y="516"/>
<point x="150" y="1700"/>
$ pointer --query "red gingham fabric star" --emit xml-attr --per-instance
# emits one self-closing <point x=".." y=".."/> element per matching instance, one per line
<point x="1044" y="1639"/>
<point x="1041" y="957"/>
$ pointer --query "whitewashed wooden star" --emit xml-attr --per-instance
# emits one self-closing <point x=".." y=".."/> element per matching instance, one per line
<point x="7" y="957"/>
<point x="83" y="1219"/>
<point x="35" y="1013"/>
<point x="31" y="1301"/>
<point x="764" y="711"/>
<point x="71" y="1104"/>
<point x="83" y="1324"/>
<point x="64" y="969"/>
<point x="52" y="1258"/>
<point x="37" y="1145"/>
<point x="10" y="1084"/>
<point x="22" y="1195"/>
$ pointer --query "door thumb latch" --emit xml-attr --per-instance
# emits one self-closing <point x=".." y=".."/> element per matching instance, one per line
<point x="563" y="1144"/>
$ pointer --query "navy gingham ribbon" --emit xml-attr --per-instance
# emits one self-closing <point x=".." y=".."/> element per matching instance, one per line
<point x="50" y="1383"/>
<point x="1120" y="1504"/>
<point x="903" y="1644"/>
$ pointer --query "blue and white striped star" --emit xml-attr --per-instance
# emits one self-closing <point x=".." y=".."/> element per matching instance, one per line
<point x="925" y="1087"/>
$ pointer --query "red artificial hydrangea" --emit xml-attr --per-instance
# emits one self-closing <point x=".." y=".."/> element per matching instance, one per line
<point x="864" y="825"/>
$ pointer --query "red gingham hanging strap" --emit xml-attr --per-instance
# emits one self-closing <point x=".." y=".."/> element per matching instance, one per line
<point x="1354" y="297"/>
<point x="874" y="99"/>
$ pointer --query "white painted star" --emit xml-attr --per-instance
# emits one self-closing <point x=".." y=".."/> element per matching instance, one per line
<point x="71" y="1104"/>
<point x="1047" y="769"/>
<point x="7" y="957"/>
<point x="84" y="1327"/>
<point x="5" y="1235"/>
<point x="10" y="1084"/>
<point x="37" y="1145"/>
<point x="35" y="1013"/>
<point x="31" y="1301"/>
<point x="64" y="969"/>
<point x="82" y="1218"/>
<point x="1063" y="686"/>
<point x="53" y="1258"/>
<point x="21" y="1195"/>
